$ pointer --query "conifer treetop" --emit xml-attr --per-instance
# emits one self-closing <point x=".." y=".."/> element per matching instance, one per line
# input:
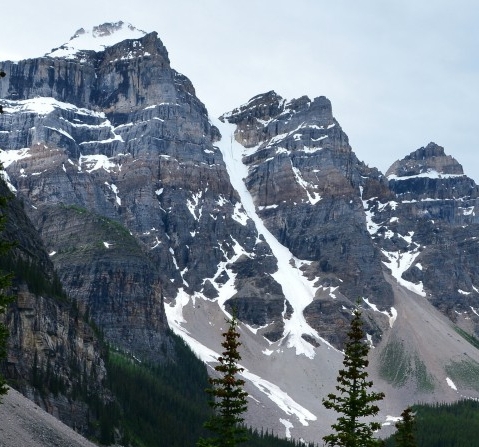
<point x="354" y="399"/>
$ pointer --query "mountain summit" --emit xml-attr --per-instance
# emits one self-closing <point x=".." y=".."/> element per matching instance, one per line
<point x="96" y="39"/>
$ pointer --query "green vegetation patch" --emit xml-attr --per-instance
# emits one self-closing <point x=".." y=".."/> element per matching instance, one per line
<point x="33" y="274"/>
<point x="163" y="404"/>
<point x="468" y="337"/>
<point x="395" y="363"/>
<point x="91" y="231"/>
<point x="464" y="374"/>
<point x="425" y="382"/>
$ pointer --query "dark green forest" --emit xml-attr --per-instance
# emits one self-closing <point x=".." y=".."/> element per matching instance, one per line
<point x="162" y="404"/>
<point x="166" y="405"/>
<point x="32" y="274"/>
<point x="446" y="425"/>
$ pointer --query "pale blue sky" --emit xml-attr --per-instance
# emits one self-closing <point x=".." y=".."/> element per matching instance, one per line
<point x="399" y="73"/>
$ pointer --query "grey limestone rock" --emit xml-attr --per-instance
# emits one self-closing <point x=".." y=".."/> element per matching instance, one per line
<point x="308" y="186"/>
<point x="115" y="148"/>
<point x="434" y="218"/>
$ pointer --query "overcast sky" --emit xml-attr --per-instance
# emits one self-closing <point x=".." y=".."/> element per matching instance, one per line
<point x="399" y="73"/>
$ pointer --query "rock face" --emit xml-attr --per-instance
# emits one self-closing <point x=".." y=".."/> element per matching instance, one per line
<point x="306" y="184"/>
<point x="429" y="231"/>
<point x="50" y="346"/>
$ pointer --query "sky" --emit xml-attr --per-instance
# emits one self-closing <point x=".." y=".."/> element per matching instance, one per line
<point x="399" y="73"/>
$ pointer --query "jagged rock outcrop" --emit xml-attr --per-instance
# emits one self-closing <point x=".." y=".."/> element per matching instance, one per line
<point x="428" y="231"/>
<point x="307" y="185"/>
<point x="425" y="160"/>
<point x="428" y="175"/>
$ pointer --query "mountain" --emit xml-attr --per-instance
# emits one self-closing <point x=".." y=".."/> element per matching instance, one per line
<point x="156" y="216"/>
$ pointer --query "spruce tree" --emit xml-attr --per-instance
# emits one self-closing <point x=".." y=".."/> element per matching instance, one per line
<point x="354" y="401"/>
<point x="5" y="281"/>
<point x="405" y="434"/>
<point x="228" y="398"/>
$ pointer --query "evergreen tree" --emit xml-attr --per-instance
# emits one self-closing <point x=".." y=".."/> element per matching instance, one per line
<point x="355" y="401"/>
<point x="228" y="396"/>
<point x="405" y="434"/>
<point x="5" y="280"/>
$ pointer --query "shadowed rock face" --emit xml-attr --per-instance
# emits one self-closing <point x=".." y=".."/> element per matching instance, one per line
<point x="50" y="344"/>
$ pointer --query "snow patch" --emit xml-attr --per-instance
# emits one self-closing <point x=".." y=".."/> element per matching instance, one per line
<point x="95" y="162"/>
<point x="44" y="105"/>
<point x="314" y="197"/>
<point x="430" y="173"/>
<point x="6" y="179"/>
<point x="14" y="155"/>
<point x="280" y="398"/>
<point x="451" y="383"/>
<point x="192" y="205"/>
<point x="468" y="211"/>
<point x="391" y="315"/>
<point x="239" y="214"/>
<point x="269" y="207"/>
<point x="399" y="263"/>
<point x="369" y="338"/>
<point x="97" y="39"/>
<point x="391" y="420"/>
<point x="114" y="188"/>
<point x="288" y="426"/>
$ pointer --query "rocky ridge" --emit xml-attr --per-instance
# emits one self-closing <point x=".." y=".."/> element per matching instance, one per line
<point x="428" y="232"/>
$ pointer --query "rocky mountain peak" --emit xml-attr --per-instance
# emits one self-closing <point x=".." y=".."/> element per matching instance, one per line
<point x="268" y="119"/>
<point x="429" y="160"/>
<point x="260" y="107"/>
<point x="96" y="39"/>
